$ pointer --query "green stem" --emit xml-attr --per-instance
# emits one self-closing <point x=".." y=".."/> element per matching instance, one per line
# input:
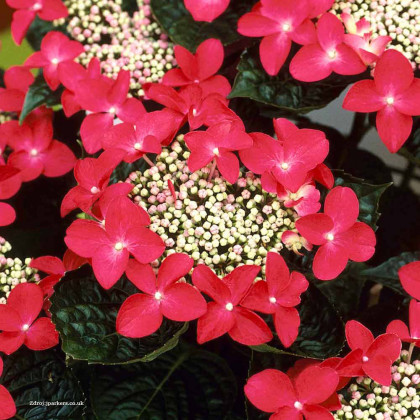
<point x="410" y="352"/>
<point x="19" y="417"/>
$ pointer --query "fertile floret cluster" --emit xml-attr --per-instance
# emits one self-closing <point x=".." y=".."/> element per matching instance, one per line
<point x="121" y="41"/>
<point x="399" y="19"/>
<point x="369" y="400"/>
<point x="13" y="271"/>
<point x="216" y="223"/>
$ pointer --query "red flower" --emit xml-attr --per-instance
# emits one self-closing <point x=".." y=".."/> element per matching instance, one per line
<point x="305" y="200"/>
<point x="278" y="295"/>
<point x="273" y="391"/>
<point x="7" y="214"/>
<point x="318" y="60"/>
<point x="56" y="49"/>
<point x="17" y="81"/>
<point x="279" y="23"/>
<point x="27" y="10"/>
<point x="92" y="176"/>
<point x="394" y="94"/>
<point x="7" y="405"/>
<point x="145" y="136"/>
<point x="105" y="99"/>
<point x="18" y="323"/>
<point x="142" y="314"/>
<point x="200" y="68"/>
<point x="206" y="10"/>
<point x="224" y="314"/>
<point x="10" y="181"/>
<point x="410" y="278"/>
<point x="337" y="231"/>
<point x="401" y="330"/>
<point x="369" y="356"/>
<point x="218" y="144"/>
<point x="35" y="151"/>
<point x="287" y="160"/>
<point x="110" y="244"/>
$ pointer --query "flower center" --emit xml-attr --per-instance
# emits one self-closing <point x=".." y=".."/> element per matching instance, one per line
<point x="55" y="61"/>
<point x="298" y="405"/>
<point x="137" y="146"/>
<point x="94" y="190"/>
<point x="273" y="299"/>
<point x="330" y="237"/>
<point x="216" y="151"/>
<point x="25" y="327"/>
<point x="158" y="296"/>
<point x="112" y="110"/>
<point x="365" y="359"/>
<point x="229" y="306"/>
<point x="286" y="27"/>
<point x="119" y="246"/>
<point x="284" y="166"/>
<point x="332" y="54"/>
<point x="390" y="100"/>
<point x="36" y="6"/>
<point x="33" y="152"/>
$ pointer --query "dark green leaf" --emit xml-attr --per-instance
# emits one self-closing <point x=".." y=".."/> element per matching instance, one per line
<point x="42" y="376"/>
<point x="369" y="196"/>
<point x="179" y="385"/>
<point x="321" y="333"/>
<point x="282" y="91"/>
<point x="38" y="29"/>
<point x="123" y="170"/>
<point x="39" y="94"/>
<point x="184" y="30"/>
<point x="85" y="314"/>
<point x="387" y="273"/>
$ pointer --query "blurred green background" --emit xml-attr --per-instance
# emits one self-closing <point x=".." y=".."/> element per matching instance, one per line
<point x="10" y="54"/>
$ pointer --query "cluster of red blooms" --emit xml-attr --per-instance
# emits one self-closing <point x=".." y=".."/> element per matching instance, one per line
<point x="115" y="238"/>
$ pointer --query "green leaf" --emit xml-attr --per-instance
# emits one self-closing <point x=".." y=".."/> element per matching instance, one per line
<point x="182" y="384"/>
<point x="184" y="30"/>
<point x="387" y="273"/>
<point x="85" y="314"/>
<point x="42" y="376"/>
<point x="282" y="91"/>
<point x="369" y="196"/>
<point x="321" y="332"/>
<point x="39" y="94"/>
<point x="123" y="170"/>
<point x="38" y="29"/>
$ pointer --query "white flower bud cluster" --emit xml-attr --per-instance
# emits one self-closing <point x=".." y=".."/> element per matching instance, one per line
<point x="120" y="41"/>
<point x="216" y="223"/>
<point x="399" y="19"/>
<point x="6" y="116"/>
<point x="13" y="271"/>
<point x="366" y="399"/>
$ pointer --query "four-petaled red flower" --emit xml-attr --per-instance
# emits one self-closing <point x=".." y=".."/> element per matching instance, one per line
<point x="369" y="356"/>
<point x="280" y="23"/>
<point x="278" y="295"/>
<point x="328" y="54"/>
<point x="206" y="10"/>
<point x="200" y="68"/>
<point x="410" y="278"/>
<point x="401" y="330"/>
<point x="19" y="323"/>
<point x="142" y="314"/>
<point x="35" y="152"/>
<point x="340" y="236"/>
<point x="217" y="144"/>
<point x="287" y="160"/>
<point x="273" y="391"/>
<point x="394" y="94"/>
<point x="17" y="81"/>
<point x="110" y="244"/>
<point x="7" y="405"/>
<point x="56" y="49"/>
<point x="225" y="313"/>
<point x="27" y="10"/>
